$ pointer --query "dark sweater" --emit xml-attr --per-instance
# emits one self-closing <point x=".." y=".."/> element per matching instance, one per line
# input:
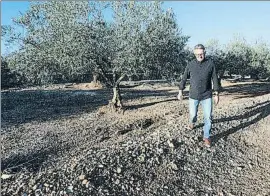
<point x="201" y="75"/>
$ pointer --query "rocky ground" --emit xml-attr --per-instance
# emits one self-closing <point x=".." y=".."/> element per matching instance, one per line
<point x="67" y="142"/>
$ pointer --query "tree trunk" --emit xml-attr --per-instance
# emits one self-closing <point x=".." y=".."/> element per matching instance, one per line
<point x="254" y="75"/>
<point x="95" y="80"/>
<point x="221" y="74"/>
<point x="95" y="76"/>
<point x="117" y="99"/>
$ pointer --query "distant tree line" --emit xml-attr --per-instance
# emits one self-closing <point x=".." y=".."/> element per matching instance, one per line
<point x="75" y="42"/>
<point x="240" y="58"/>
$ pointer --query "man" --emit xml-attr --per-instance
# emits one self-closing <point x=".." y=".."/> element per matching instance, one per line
<point x="201" y="72"/>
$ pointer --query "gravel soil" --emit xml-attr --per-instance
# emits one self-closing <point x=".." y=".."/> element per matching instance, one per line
<point x="67" y="141"/>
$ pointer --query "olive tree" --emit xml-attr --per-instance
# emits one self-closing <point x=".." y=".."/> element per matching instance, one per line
<point x="72" y="38"/>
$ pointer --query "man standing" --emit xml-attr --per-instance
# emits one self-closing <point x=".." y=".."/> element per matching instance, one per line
<point x="201" y="72"/>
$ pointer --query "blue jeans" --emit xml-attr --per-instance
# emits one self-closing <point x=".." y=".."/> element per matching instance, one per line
<point x="207" y="114"/>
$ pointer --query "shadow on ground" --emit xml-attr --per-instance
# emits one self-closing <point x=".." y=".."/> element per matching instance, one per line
<point x="248" y="90"/>
<point x="35" y="158"/>
<point x="42" y="105"/>
<point x="259" y="111"/>
<point x="134" y="107"/>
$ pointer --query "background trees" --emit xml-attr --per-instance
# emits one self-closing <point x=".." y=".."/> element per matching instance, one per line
<point x="65" y="40"/>
<point x="75" y="42"/>
<point x="240" y="58"/>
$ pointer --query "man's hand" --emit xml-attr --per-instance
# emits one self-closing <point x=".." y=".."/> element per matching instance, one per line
<point x="216" y="99"/>
<point x="180" y="95"/>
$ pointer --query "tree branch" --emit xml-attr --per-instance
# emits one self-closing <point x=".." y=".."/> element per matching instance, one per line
<point x="120" y="79"/>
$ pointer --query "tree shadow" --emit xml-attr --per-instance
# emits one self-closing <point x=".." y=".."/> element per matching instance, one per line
<point x="130" y="94"/>
<point x="34" y="159"/>
<point x="19" y="107"/>
<point x="248" y="90"/>
<point x="29" y="161"/>
<point x="262" y="111"/>
<point x="129" y="86"/>
<point x="258" y="104"/>
<point x="39" y="105"/>
<point x="134" y="107"/>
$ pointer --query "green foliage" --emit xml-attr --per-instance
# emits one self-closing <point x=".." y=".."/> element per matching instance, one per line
<point x="240" y="53"/>
<point x="164" y="44"/>
<point x="260" y="60"/>
<point x="68" y="39"/>
<point x="65" y="41"/>
<point x="218" y="55"/>
<point x="54" y="42"/>
<point x="9" y="78"/>
<point x="239" y="57"/>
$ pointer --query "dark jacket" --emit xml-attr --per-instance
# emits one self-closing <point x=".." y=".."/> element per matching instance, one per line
<point x="201" y="75"/>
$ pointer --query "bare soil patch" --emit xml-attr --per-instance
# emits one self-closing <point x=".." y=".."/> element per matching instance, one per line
<point x="66" y="141"/>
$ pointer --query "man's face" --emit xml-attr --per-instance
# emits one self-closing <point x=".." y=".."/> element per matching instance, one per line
<point x="199" y="53"/>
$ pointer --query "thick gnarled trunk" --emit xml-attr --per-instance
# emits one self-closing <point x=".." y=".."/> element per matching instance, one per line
<point x="117" y="99"/>
<point x="221" y="75"/>
<point x="95" y="81"/>
<point x="116" y="102"/>
<point x="95" y="76"/>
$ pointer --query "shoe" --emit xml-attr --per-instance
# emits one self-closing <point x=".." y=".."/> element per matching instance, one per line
<point x="207" y="142"/>
<point x="191" y="126"/>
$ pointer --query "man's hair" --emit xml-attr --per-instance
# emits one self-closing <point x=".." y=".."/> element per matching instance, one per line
<point x="199" y="46"/>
